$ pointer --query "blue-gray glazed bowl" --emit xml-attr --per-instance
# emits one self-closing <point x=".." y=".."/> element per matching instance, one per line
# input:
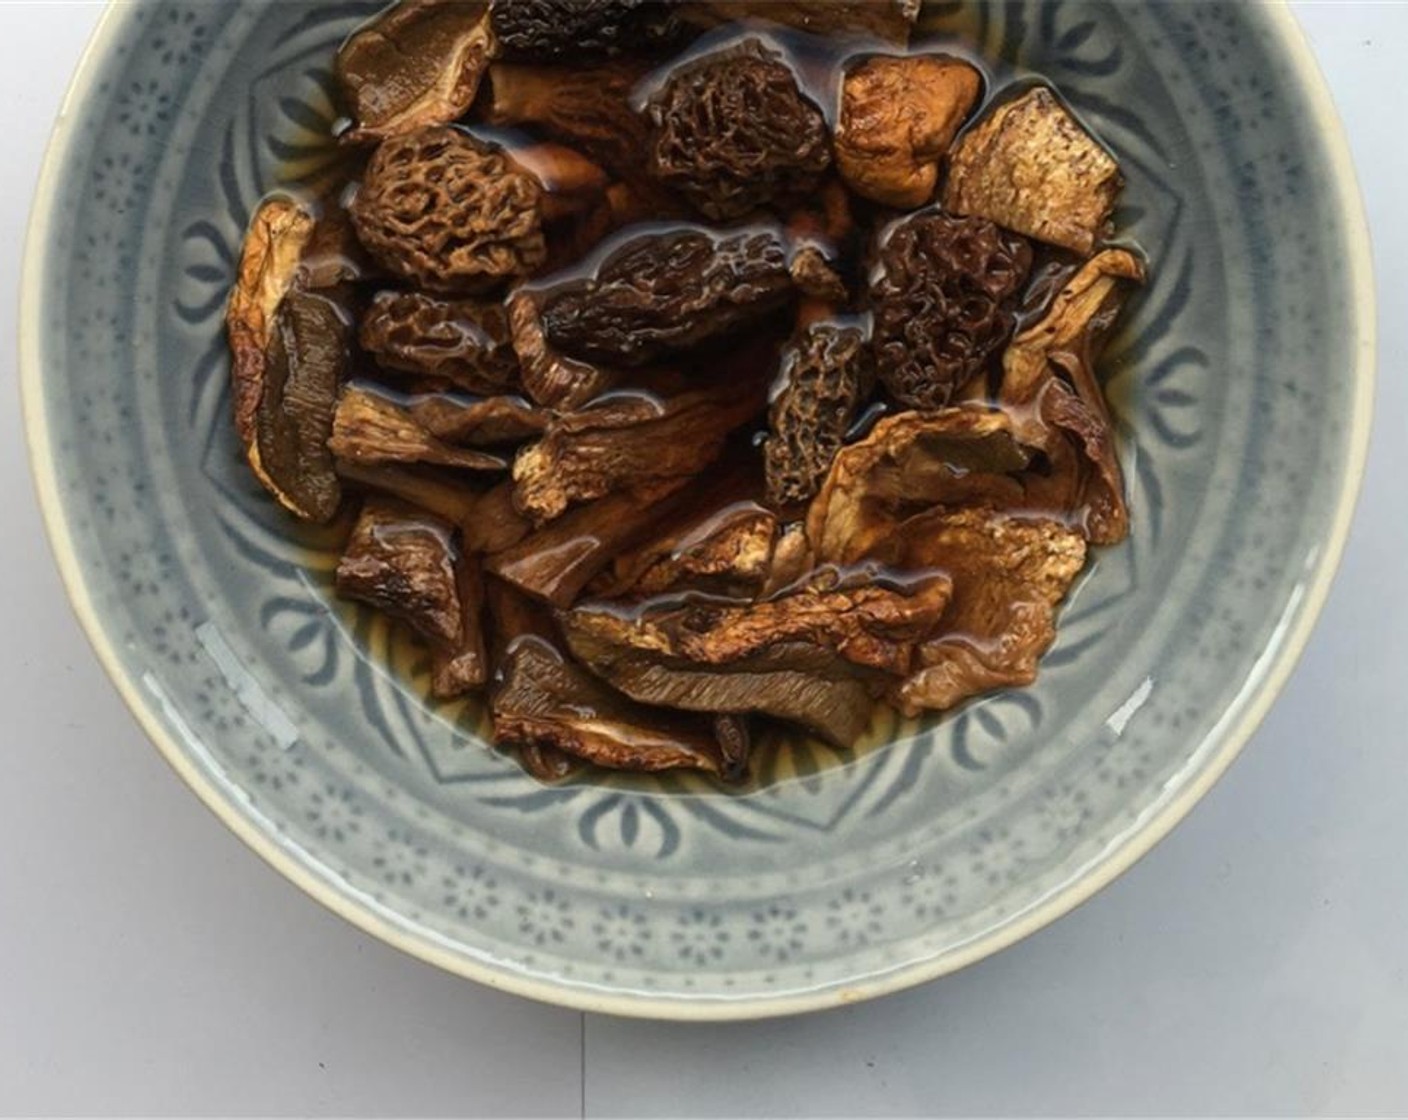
<point x="1242" y="385"/>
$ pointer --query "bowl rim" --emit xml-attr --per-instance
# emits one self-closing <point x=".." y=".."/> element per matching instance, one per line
<point x="1227" y="736"/>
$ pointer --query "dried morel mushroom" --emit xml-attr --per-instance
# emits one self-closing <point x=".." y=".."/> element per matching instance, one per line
<point x="1030" y="167"/>
<point x="731" y="132"/>
<point x="898" y="117"/>
<point x="942" y="296"/>
<point x="891" y="20"/>
<point x="826" y="373"/>
<point x="290" y="349"/>
<point x="419" y="63"/>
<point x="463" y="342"/>
<point x="450" y="212"/>
<point x="1008" y="573"/>
<point x="663" y="294"/>
<point x="402" y="561"/>
<point x="585" y="30"/>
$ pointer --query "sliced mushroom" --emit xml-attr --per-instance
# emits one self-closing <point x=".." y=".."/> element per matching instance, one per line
<point x="552" y="379"/>
<point x="486" y="519"/>
<point x="1050" y="389"/>
<point x="558" y="561"/>
<point x="487" y="422"/>
<point x="371" y="429"/>
<point x="402" y="561"/>
<point x="464" y="665"/>
<point x="913" y="461"/>
<point x="629" y="441"/>
<point x="1009" y="574"/>
<point x="898" y="117"/>
<point x="1030" y="167"/>
<point x="418" y="63"/>
<point x="546" y="705"/>
<point x="722" y="550"/>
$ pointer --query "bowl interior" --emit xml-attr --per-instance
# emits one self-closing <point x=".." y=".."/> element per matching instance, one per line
<point x="303" y="722"/>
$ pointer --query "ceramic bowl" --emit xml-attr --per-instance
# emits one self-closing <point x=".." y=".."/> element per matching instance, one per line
<point x="1242" y="385"/>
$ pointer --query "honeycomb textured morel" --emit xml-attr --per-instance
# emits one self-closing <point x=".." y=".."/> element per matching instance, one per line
<point x="585" y="30"/>
<point x="667" y="293"/>
<point x="942" y="298"/>
<point x="825" y="377"/>
<point x="464" y="342"/>
<point x="450" y="212"/>
<point x="732" y="132"/>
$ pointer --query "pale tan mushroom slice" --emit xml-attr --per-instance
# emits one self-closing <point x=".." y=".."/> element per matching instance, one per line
<point x="370" y="429"/>
<point x="1030" y="167"/>
<point x="290" y="351"/>
<point x="897" y="118"/>
<point x="417" y="64"/>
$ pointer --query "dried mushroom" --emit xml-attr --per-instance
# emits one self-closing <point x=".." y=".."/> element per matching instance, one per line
<point x="909" y="463"/>
<point x="478" y="423"/>
<point x="664" y="294"/>
<point x="1009" y="574"/>
<point x="558" y="561"/>
<point x="586" y="107"/>
<point x="402" y="561"/>
<point x="450" y="212"/>
<point x="1049" y="386"/>
<point x="943" y="296"/>
<point x="680" y="386"/>
<point x="585" y="30"/>
<point x="463" y="666"/>
<point x="826" y="374"/>
<point x="551" y="378"/>
<point x="463" y="342"/>
<point x="811" y="658"/>
<point x="891" y="20"/>
<point x="898" y="116"/>
<point x="731" y="132"/>
<point x="1030" y="167"/>
<point x="628" y="442"/>
<point x="369" y="429"/>
<point x="419" y="63"/>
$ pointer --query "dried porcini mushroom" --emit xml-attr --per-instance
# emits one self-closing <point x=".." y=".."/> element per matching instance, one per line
<point x="898" y="117"/>
<point x="290" y="350"/>
<point x="450" y="212"/>
<point x="463" y="342"/>
<point x="551" y="378"/>
<point x="663" y="294"/>
<point x="418" y="63"/>
<point x="1029" y="166"/>
<point x="826" y="373"/>
<point x="463" y="666"/>
<point x="478" y="423"/>
<point x="369" y="428"/>
<point x="1008" y="574"/>
<point x="943" y="296"/>
<point x="402" y="561"/>
<point x="585" y="30"/>
<point x="912" y="462"/>
<point x="891" y="20"/>
<point x="586" y="107"/>
<point x="628" y="443"/>
<point x="1049" y="387"/>
<point x="731" y="132"/>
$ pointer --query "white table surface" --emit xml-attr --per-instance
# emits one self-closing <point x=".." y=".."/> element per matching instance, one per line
<point x="1256" y="962"/>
